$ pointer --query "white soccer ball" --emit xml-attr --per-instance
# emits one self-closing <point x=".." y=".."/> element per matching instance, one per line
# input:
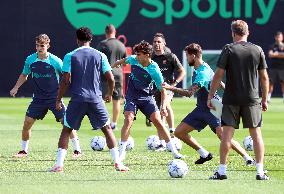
<point x="153" y="142"/>
<point x="248" y="143"/>
<point x="177" y="168"/>
<point x="98" y="143"/>
<point x="176" y="142"/>
<point x="130" y="143"/>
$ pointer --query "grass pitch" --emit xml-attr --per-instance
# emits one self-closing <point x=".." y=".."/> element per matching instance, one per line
<point x="94" y="172"/>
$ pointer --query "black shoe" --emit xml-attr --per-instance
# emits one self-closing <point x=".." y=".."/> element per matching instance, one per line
<point x="263" y="177"/>
<point x="201" y="160"/>
<point x="148" y="122"/>
<point x="217" y="176"/>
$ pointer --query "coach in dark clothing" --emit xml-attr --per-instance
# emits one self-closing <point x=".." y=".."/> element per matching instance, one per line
<point x="243" y="63"/>
<point x="276" y="68"/>
<point x="114" y="50"/>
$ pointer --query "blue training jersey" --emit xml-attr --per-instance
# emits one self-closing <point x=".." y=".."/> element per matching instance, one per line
<point x="86" y="66"/>
<point x="141" y="79"/>
<point x="45" y="75"/>
<point x="202" y="76"/>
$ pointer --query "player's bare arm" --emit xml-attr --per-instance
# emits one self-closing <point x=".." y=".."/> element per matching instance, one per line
<point x="111" y="83"/>
<point x="181" y="75"/>
<point x="163" y="108"/>
<point x="64" y="85"/>
<point x="264" y="82"/>
<point x="21" y="80"/>
<point x="183" y="92"/>
<point x="118" y="63"/>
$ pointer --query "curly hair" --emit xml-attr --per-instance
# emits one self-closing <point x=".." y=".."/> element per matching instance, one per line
<point x="84" y="34"/>
<point x="144" y="47"/>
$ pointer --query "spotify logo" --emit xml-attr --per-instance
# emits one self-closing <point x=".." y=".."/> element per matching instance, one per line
<point x="96" y="14"/>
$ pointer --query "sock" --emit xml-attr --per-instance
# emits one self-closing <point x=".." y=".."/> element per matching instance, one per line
<point x="61" y="153"/>
<point x="122" y="150"/>
<point x="259" y="169"/>
<point x="247" y="157"/>
<point x="163" y="142"/>
<point x="269" y="97"/>
<point x="202" y="152"/>
<point x="75" y="144"/>
<point x="115" y="155"/>
<point x="173" y="148"/>
<point x="25" y="145"/>
<point x="171" y="130"/>
<point x="222" y="169"/>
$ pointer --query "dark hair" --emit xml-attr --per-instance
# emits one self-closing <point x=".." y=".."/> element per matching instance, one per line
<point x="84" y="34"/>
<point x="240" y="27"/>
<point x="109" y="29"/>
<point x="160" y="35"/>
<point x="144" y="47"/>
<point x="278" y="33"/>
<point x="193" y="48"/>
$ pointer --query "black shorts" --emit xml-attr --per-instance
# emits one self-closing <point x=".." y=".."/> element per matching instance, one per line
<point x="251" y="116"/>
<point x="117" y="92"/>
<point x="276" y="75"/>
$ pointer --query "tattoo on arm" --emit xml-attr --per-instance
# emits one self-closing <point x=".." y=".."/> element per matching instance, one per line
<point x="188" y="93"/>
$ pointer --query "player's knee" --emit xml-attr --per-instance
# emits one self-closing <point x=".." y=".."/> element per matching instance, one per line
<point x="219" y="132"/>
<point x="179" y="134"/>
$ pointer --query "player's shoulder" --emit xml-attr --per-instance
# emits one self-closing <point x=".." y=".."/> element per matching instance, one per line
<point x="31" y="58"/>
<point x="255" y="46"/>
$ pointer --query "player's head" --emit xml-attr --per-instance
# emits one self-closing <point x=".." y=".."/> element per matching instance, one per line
<point x="42" y="43"/>
<point x="193" y="52"/>
<point x="159" y="42"/>
<point x="110" y="31"/>
<point x="84" y="35"/>
<point x="239" y="29"/>
<point x="278" y="36"/>
<point x="143" y="50"/>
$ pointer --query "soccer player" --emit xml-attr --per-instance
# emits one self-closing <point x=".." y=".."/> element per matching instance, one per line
<point x="82" y="69"/>
<point x="201" y="116"/>
<point x="168" y="64"/>
<point x="276" y="69"/>
<point x="44" y="68"/>
<point x="114" y="50"/>
<point x="144" y="72"/>
<point x="243" y="63"/>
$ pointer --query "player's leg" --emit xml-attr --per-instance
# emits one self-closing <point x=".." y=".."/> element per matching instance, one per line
<point x="281" y="78"/>
<point x="170" y="118"/>
<point x="117" y="94"/>
<point x="237" y="147"/>
<point x="230" y="120"/>
<point x="59" y="115"/>
<point x="252" y="119"/>
<point x="272" y="79"/>
<point x="72" y="120"/>
<point x="26" y="134"/>
<point x="125" y="130"/>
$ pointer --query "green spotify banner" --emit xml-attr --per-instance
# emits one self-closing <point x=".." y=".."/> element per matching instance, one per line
<point x="206" y="22"/>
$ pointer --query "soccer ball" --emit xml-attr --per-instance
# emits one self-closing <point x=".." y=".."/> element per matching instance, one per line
<point x="176" y="142"/>
<point x="130" y="143"/>
<point x="248" y="143"/>
<point x="98" y="143"/>
<point x="152" y="142"/>
<point x="177" y="168"/>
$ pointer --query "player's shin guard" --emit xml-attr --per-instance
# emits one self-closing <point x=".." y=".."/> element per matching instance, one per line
<point x="115" y="155"/>
<point x="61" y="153"/>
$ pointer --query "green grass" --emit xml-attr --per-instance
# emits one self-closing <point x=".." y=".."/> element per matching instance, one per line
<point x="94" y="172"/>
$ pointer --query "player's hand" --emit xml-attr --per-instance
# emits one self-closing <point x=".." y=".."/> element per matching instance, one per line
<point x="166" y="86"/>
<point x="209" y="104"/>
<point x="13" y="92"/>
<point x="108" y="98"/>
<point x="58" y="105"/>
<point x="264" y="105"/>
